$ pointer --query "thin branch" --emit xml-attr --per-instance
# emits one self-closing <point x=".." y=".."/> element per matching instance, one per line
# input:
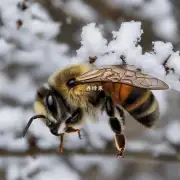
<point x="144" y="155"/>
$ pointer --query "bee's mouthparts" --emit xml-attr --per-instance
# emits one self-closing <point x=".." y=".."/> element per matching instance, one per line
<point x="62" y="128"/>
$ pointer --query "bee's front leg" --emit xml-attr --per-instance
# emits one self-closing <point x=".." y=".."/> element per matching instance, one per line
<point x="69" y="130"/>
<point x="60" y="149"/>
<point x="72" y="120"/>
<point x="117" y="124"/>
<point x="73" y="130"/>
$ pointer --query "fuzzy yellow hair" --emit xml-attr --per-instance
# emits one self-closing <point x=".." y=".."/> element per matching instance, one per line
<point x="77" y="96"/>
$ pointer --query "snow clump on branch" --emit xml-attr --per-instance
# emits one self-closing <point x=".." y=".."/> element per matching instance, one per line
<point x="161" y="62"/>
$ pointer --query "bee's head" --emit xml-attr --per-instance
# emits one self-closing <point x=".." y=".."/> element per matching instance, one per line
<point x="52" y="109"/>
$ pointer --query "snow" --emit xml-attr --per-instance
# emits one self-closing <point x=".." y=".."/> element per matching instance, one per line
<point x="80" y="10"/>
<point x="156" y="9"/>
<point x="44" y="29"/>
<point x="160" y="12"/>
<point x="27" y="86"/>
<point x="166" y="29"/>
<point x="174" y="62"/>
<point x="58" y="170"/>
<point x="161" y="97"/>
<point x="125" y="4"/>
<point x="99" y="131"/>
<point x="40" y="168"/>
<point x="147" y="176"/>
<point x="107" y="164"/>
<point x="138" y="146"/>
<point x="38" y="11"/>
<point x="13" y="121"/>
<point x="6" y="47"/>
<point x="125" y="39"/>
<point x="172" y="133"/>
<point x="92" y="43"/>
<point x="163" y="149"/>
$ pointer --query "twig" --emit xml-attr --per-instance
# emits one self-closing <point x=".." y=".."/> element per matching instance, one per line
<point x="144" y="155"/>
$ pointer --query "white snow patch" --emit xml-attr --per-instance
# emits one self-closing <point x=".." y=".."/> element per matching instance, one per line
<point x="172" y="132"/>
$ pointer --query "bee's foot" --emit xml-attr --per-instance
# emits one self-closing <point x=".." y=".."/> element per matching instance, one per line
<point x="120" y="145"/>
<point x="120" y="155"/>
<point x="79" y="134"/>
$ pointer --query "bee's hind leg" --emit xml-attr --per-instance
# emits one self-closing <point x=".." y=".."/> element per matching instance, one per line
<point x="120" y="142"/>
<point x="116" y="122"/>
<point x="119" y="138"/>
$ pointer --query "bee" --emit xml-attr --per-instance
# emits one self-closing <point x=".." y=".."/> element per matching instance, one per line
<point x="65" y="100"/>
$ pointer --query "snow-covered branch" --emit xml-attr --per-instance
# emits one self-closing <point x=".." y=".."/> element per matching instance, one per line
<point x="162" y="62"/>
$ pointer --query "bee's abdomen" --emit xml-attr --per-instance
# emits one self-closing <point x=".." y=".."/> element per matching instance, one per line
<point x="139" y="102"/>
<point x="142" y="105"/>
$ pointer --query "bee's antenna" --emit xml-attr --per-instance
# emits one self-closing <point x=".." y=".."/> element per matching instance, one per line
<point x="30" y="121"/>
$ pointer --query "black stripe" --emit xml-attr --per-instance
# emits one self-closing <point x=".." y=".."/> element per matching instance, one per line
<point x="143" y="107"/>
<point x="134" y="95"/>
<point x="109" y="106"/>
<point x="121" y="113"/>
<point x="149" y="119"/>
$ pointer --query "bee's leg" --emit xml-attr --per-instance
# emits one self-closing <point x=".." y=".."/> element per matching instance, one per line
<point x="120" y="142"/>
<point x="117" y="124"/>
<point x="74" y="119"/>
<point x="119" y="137"/>
<point x="61" y="143"/>
<point x="72" y="130"/>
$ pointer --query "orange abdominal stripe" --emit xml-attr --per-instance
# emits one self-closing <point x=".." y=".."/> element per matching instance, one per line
<point x="119" y="92"/>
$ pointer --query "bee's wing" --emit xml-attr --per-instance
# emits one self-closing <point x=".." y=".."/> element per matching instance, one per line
<point x="123" y="74"/>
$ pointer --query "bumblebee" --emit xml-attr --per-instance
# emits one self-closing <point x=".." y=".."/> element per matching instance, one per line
<point x="69" y="97"/>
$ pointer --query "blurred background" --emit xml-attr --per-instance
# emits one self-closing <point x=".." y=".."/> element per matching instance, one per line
<point x="40" y="36"/>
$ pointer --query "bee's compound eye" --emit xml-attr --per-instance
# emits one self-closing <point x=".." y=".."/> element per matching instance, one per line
<point x="50" y="101"/>
<point x="51" y="104"/>
<point x="71" y="82"/>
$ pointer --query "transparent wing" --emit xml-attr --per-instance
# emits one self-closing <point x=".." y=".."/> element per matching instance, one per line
<point x="123" y="74"/>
